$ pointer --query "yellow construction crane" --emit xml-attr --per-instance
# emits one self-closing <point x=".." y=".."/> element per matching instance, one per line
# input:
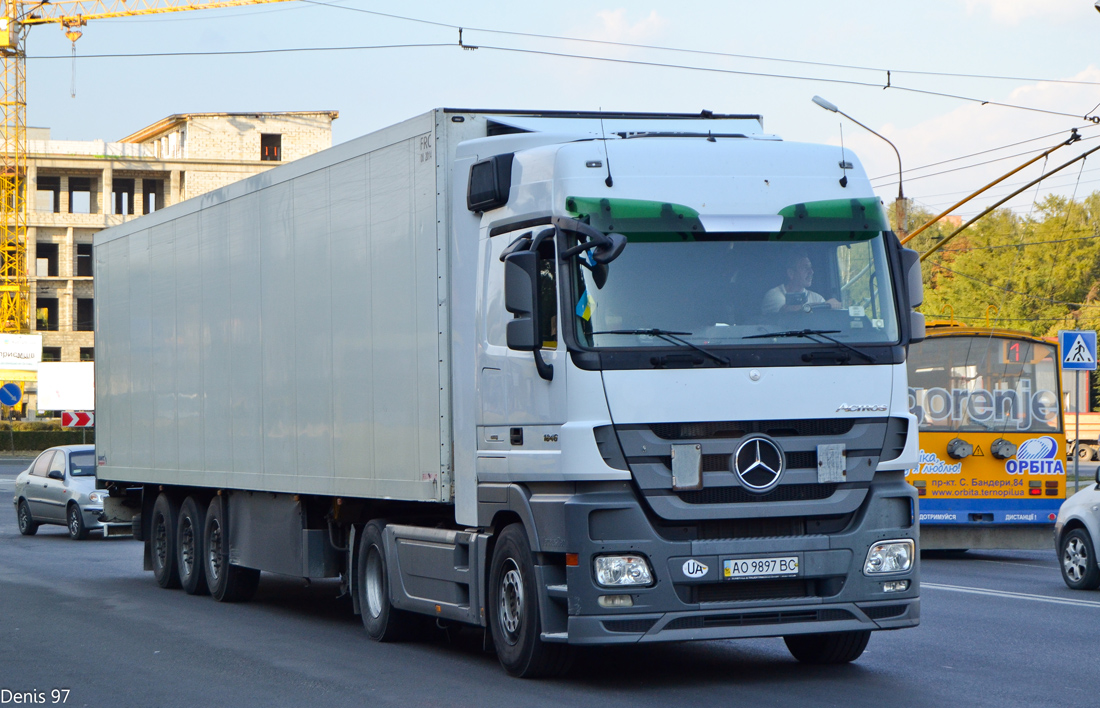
<point x="16" y="18"/>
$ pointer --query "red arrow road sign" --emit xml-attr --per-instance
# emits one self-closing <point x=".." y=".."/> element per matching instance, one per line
<point x="77" y="419"/>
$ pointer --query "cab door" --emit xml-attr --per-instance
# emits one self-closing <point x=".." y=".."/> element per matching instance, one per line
<point x="521" y="413"/>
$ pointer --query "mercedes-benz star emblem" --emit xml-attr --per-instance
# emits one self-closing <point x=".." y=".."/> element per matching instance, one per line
<point x="758" y="462"/>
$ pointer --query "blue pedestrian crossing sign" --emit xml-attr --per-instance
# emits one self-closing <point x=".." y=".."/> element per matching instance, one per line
<point x="1078" y="349"/>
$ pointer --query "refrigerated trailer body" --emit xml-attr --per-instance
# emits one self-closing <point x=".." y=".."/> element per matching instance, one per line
<point x="576" y="378"/>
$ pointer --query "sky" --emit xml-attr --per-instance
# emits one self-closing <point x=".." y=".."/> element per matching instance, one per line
<point x="1040" y="58"/>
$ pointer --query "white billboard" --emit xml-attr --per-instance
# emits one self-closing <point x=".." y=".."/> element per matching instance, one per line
<point x="68" y="386"/>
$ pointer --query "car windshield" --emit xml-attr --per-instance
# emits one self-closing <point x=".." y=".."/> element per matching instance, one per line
<point x="82" y="464"/>
<point x="819" y="266"/>
<point x="964" y="383"/>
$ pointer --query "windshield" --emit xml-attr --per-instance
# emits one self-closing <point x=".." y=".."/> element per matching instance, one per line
<point x="818" y="266"/>
<point x="82" y="464"/>
<point x="984" y="383"/>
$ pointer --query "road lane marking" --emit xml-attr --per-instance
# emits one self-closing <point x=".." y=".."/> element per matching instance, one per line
<point x="1013" y="595"/>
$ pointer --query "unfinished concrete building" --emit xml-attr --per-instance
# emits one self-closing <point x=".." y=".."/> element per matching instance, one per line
<point x="77" y="188"/>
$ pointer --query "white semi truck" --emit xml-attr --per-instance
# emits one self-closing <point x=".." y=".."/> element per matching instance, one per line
<point x="574" y="378"/>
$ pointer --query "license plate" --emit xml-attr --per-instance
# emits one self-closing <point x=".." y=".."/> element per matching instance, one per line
<point x="760" y="567"/>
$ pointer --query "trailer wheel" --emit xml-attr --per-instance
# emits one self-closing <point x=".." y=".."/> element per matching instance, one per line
<point x="383" y="621"/>
<point x="163" y="538"/>
<point x="1084" y="451"/>
<point x="513" y="609"/>
<point x="189" y="547"/>
<point x="27" y="525"/>
<point x="1079" y="567"/>
<point x="833" y="648"/>
<point x="227" y="583"/>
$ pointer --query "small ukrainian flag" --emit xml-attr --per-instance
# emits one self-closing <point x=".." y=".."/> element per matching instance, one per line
<point x="584" y="307"/>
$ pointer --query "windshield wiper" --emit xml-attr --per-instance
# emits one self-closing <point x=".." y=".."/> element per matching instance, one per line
<point x="669" y="336"/>
<point x="810" y="334"/>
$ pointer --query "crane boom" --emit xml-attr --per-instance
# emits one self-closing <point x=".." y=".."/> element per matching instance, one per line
<point x="16" y="18"/>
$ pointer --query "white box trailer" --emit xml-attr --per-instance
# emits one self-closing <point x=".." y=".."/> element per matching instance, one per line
<point x="559" y="375"/>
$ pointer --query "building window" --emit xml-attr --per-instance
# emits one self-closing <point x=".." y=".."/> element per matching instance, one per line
<point x="84" y="260"/>
<point x="80" y="195"/>
<point x="51" y="353"/>
<point x="87" y="353"/>
<point x="271" y="146"/>
<point x="47" y="314"/>
<point x="48" y="197"/>
<point x="45" y="262"/>
<point x="85" y="314"/>
<point x="122" y="191"/>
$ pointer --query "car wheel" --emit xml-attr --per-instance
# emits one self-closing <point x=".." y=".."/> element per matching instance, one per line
<point x="162" y="536"/>
<point x="833" y="648"/>
<point x="1079" y="567"/>
<point x="189" y="547"/>
<point x="27" y="525"/>
<point x="78" y="531"/>
<point x="513" y="609"/>
<point x="383" y="621"/>
<point x="226" y="583"/>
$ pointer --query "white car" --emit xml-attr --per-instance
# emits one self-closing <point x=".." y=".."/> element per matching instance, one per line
<point x="59" y="488"/>
<point x="1077" y="536"/>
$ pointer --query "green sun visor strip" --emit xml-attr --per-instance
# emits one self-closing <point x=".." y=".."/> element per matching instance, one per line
<point x="644" y="220"/>
<point x="863" y="217"/>
<point x="634" y="215"/>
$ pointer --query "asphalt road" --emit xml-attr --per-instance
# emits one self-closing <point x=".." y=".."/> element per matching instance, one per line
<point x="998" y="629"/>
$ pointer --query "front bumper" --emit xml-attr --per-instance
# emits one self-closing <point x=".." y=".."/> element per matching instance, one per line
<point x="830" y="593"/>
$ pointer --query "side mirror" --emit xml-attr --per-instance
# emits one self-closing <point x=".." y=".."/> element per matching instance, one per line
<point x="916" y="327"/>
<point x="521" y="298"/>
<point x="56" y="474"/>
<point x="910" y="265"/>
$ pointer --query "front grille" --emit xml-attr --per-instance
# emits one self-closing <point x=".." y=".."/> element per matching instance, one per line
<point x="721" y="463"/>
<point x="746" y="590"/>
<point x="739" y="495"/>
<point x="630" y="626"/>
<point x="756" y="527"/>
<point x="739" y="429"/>
<point x="746" y="619"/>
<point x="884" y="611"/>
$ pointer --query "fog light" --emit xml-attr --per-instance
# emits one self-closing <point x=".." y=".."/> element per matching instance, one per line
<point x="889" y="557"/>
<point x="615" y="571"/>
<point x="895" y="586"/>
<point x="615" y="601"/>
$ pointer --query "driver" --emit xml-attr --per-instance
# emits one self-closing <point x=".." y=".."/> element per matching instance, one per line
<point x="795" y="294"/>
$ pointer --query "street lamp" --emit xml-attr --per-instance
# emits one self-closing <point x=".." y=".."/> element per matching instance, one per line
<point x="899" y="205"/>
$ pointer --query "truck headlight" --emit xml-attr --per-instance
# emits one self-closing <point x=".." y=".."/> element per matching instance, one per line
<point x="95" y="497"/>
<point x="617" y="571"/>
<point x="889" y="557"/>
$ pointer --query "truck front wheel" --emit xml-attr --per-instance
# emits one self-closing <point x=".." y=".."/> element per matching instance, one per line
<point x="834" y="648"/>
<point x="162" y="536"/>
<point x="514" y="611"/>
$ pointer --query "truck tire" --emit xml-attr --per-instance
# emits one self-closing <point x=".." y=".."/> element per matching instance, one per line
<point x="513" y="609"/>
<point x="78" y="530"/>
<point x="27" y="525"/>
<point x="189" y="547"/>
<point x="1084" y="451"/>
<point x="1078" y="556"/>
<point x="225" y="582"/>
<point x="162" y="536"/>
<point x="383" y="621"/>
<point x="834" y="648"/>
